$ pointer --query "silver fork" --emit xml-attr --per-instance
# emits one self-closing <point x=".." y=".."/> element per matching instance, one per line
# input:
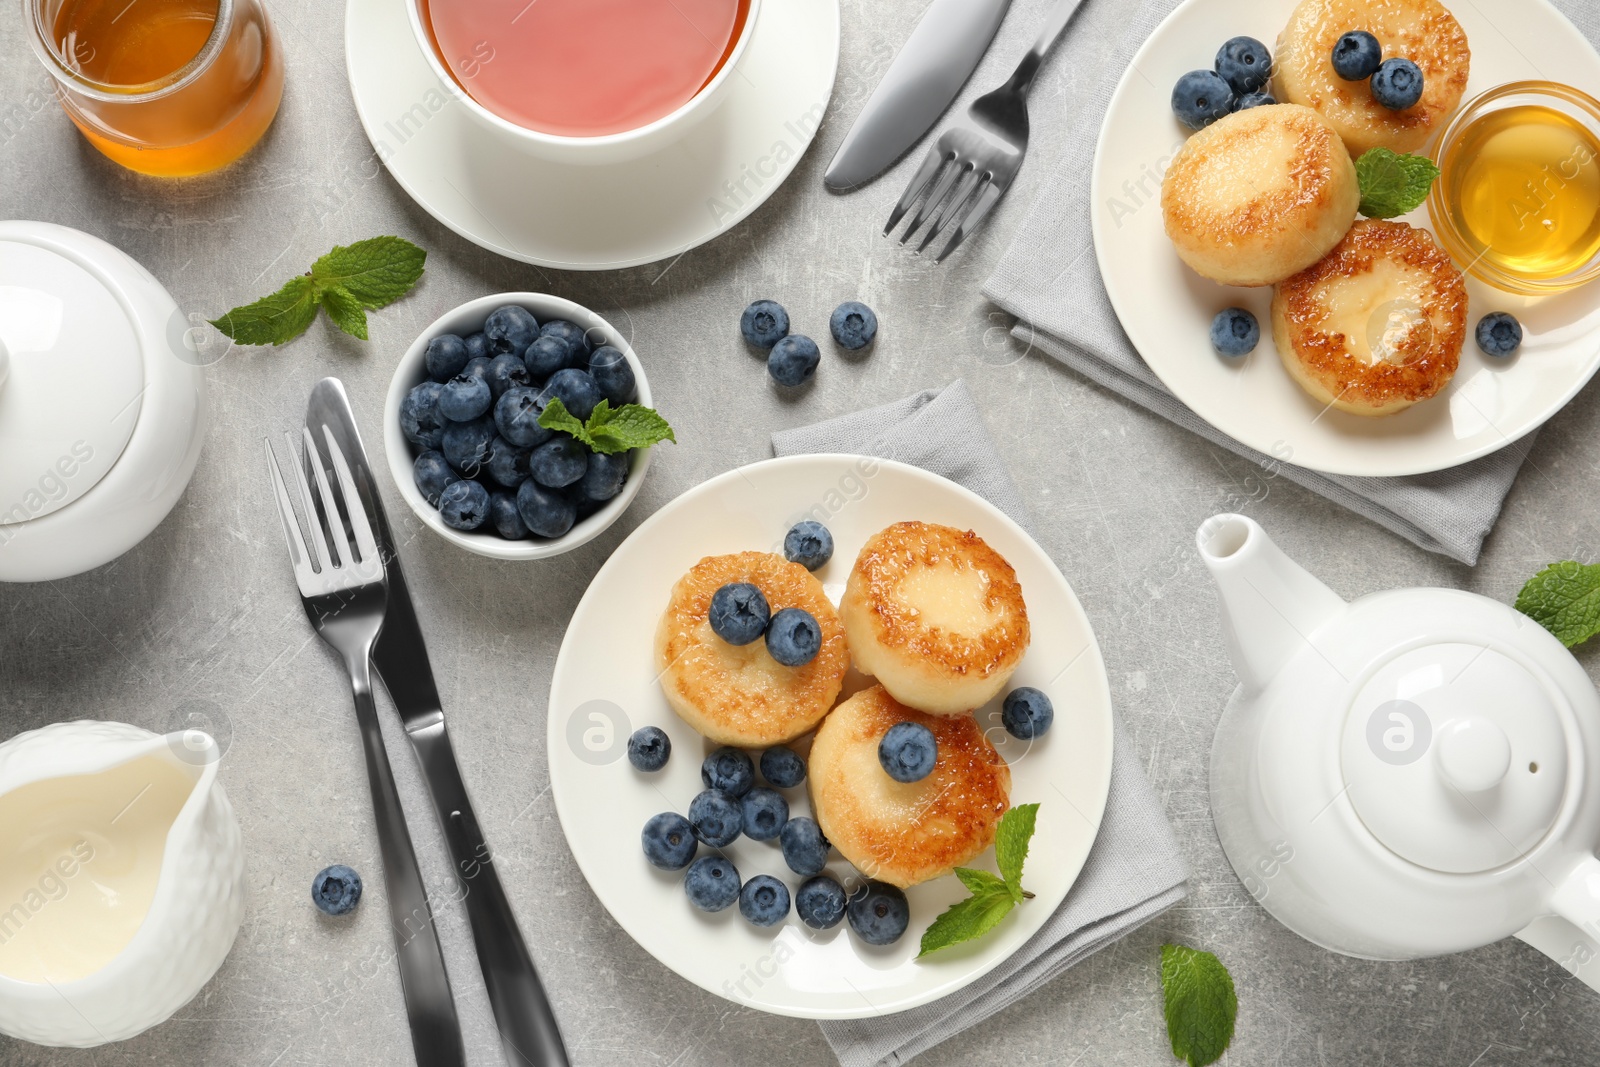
<point x="345" y="599"/>
<point x="971" y="166"/>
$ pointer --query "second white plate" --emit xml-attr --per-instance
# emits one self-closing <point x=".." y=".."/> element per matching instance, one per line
<point x="1166" y="309"/>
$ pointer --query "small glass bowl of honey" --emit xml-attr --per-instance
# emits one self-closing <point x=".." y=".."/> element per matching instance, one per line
<point x="1517" y="201"/>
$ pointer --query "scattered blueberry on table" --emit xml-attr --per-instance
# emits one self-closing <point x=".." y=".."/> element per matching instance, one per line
<point x="336" y="890"/>
<point x="764" y="901"/>
<point x="793" y="360"/>
<point x="782" y="768"/>
<point x="1027" y="713"/>
<point x="1200" y="98"/>
<point x="820" y="902"/>
<point x="853" y="325"/>
<point x="793" y="637"/>
<point x="1499" y="334"/>
<point x="1356" y="56"/>
<point x="729" y="770"/>
<point x="739" y="613"/>
<point x="649" y="748"/>
<point x="765" y="813"/>
<point x="805" y="850"/>
<point x="764" y="323"/>
<point x="712" y="883"/>
<point x="1245" y="64"/>
<point x="1398" y="84"/>
<point x="878" y="913"/>
<point x="669" y="841"/>
<point x="908" y="751"/>
<point x="1235" y="332"/>
<point x="809" y="544"/>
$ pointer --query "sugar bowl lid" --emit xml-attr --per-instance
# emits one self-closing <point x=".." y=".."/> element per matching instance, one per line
<point x="72" y="370"/>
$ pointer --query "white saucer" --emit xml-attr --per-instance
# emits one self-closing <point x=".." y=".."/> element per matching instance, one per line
<point x="594" y="217"/>
<point x="1166" y="309"/>
<point x="605" y="687"/>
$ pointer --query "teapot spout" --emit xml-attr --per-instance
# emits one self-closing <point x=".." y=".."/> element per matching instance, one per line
<point x="1270" y="604"/>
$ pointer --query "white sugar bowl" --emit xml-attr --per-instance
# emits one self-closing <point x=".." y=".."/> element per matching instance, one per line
<point x="102" y="402"/>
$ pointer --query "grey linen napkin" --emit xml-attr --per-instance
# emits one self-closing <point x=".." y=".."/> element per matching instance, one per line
<point x="1134" y="871"/>
<point x="1049" y="279"/>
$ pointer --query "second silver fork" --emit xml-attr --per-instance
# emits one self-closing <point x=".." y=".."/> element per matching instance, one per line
<point x="345" y="598"/>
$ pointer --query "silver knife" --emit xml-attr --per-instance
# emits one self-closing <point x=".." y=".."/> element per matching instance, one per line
<point x="529" y="1034"/>
<point x="938" y="58"/>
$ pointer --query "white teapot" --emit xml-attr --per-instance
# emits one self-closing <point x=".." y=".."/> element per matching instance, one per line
<point x="121" y="879"/>
<point x="102" y="402"/>
<point x="1411" y="774"/>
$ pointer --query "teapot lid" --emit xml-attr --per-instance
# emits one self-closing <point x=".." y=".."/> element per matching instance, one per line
<point x="72" y="372"/>
<point x="1455" y="756"/>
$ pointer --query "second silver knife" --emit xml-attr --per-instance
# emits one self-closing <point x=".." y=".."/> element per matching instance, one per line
<point x="938" y="58"/>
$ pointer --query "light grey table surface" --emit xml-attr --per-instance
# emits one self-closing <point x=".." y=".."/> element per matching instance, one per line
<point x="204" y="613"/>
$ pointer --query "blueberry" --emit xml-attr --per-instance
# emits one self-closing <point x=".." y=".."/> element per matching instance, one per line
<point x="547" y="355"/>
<point x="1356" y="56"/>
<point x="853" y="325"/>
<point x="445" y="356"/>
<point x="739" y="613"/>
<point x="575" y="336"/>
<point x="464" y="398"/>
<point x="1234" y="332"/>
<point x="1398" y="84"/>
<point x="820" y="902"/>
<point x="805" y="850"/>
<point x="336" y="890"/>
<point x="578" y="391"/>
<point x="1200" y="98"/>
<point x="669" y="841"/>
<point x="793" y="637"/>
<point x="510" y="329"/>
<point x="649" y="748"/>
<point x="545" y="511"/>
<point x="508" y="464"/>
<point x="505" y="371"/>
<point x="764" y="323"/>
<point x="1250" y="100"/>
<point x="809" y="544"/>
<point x="558" y="463"/>
<point x="764" y="901"/>
<point x="1245" y="64"/>
<point x="712" y="883"/>
<point x="716" y="817"/>
<point x="793" y="360"/>
<point x="908" y="751"/>
<point x="782" y="767"/>
<point x="420" y="420"/>
<point x="728" y="770"/>
<point x="1499" y="334"/>
<point x="505" y="518"/>
<point x="467" y="445"/>
<point x="765" y="813"/>
<point x="433" y="475"/>
<point x="516" y="416"/>
<point x="464" y="505"/>
<point x="478" y="345"/>
<point x="614" y="375"/>
<point x="878" y="913"/>
<point x="1027" y="713"/>
<point x="604" y="478"/>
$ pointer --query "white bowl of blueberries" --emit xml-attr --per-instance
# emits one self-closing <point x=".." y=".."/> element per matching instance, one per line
<point x="518" y="426"/>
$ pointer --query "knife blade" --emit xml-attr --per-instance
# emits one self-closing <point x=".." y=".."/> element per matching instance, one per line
<point x="936" y="61"/>
<point x="529" y="1033"/>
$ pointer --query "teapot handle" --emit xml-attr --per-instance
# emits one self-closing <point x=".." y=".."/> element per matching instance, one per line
<point x="1571" y="936"/>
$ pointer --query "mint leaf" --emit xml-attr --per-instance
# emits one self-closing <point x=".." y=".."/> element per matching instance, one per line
<point x="628" y="427"/>
<point x="1011" y="845"/>
<point x="968" y="919"/>
<point x="556" y="417"/>
<point x="1564" y="598"/>
<point x="979" y="882"/>
<point x="1393" y="184"/>
<point x="274" y="319"/>
<point x="1200" y="1004"/>
<point x="376" y="272"/>
<point x="345" y="311"/>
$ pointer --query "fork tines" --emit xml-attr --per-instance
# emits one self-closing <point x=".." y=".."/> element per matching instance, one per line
<point x="950" y="189"/>
<point x="319" y="570"/>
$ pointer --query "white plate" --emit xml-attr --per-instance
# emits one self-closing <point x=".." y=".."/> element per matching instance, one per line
<point x="605" y="687"/>
<point x="1166" y="309"/>
<point x="594" y="217"/>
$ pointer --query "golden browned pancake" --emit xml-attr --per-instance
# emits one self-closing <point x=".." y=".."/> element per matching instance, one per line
<point x="1376" y="326"/>
<point x="1419" y="30"/>
<point x="936" y="616"/>
<point x="1259" y="195"/>
<point x="738" y="694"/>
<point x="905" y="832"/>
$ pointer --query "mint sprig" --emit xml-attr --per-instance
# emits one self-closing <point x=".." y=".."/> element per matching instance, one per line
<point x="1564" y="598"/>
<point x="992" y="897"/>
<point x="347" y="282"/>
<point x="1201" y="1004"/>
<point x="1393" y="184"/>
<point x="609" y="430"/>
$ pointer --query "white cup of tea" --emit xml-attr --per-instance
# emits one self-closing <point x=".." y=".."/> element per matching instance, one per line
<point x="557" y="106"/>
